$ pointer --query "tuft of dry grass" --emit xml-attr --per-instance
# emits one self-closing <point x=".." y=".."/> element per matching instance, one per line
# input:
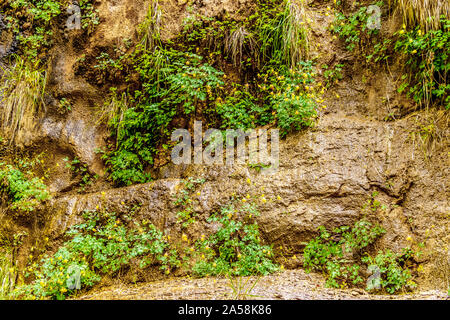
<point x="7" y="276"/>
<point x="425" y="13"/>
<point x="22" y="88"/>
<point x="235" y="43"/>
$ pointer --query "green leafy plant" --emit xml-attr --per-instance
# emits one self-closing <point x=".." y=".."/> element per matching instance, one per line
<point x="186" y="216"/>
<point x="187" y="84"/>
<point x="392" y="276"/>
<point x="236" y="248"/>
<point x="24" y="193"/>
<point x="340" y="253"/>
<point x="426" y="55"/>
<point x="290" y="93"/>
<point x="353" y="28"/>
<point x="32" y="22"/>
<point x="80" y="169"/>
<point x="332" y="74"/>
<point x="103" y="244"/>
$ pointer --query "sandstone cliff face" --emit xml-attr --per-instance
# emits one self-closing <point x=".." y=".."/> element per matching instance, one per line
<point x="326" y="174"/>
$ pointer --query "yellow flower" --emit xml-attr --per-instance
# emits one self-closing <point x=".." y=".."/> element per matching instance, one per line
<point x="184" y="237"/>
<point x="408" y="238"/>
<point x="63" y="290"/>
<point x="249" y="181"/>
<point x="281" y="267"/>
<point x="244" y="200"/>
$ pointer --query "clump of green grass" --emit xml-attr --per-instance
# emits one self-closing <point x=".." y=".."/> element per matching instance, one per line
<point x="150" y="29"/>
<point x="113" y="111"/>
<point x="283" y="35"/>
<point x="22" y="87"/>
<point x="24" y="193"/>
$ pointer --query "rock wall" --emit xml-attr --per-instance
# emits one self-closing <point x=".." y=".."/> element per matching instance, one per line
<point x="326" y="174"/>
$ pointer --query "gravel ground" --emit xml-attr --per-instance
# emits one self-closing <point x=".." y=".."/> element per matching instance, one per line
<point x="288" y="285"/>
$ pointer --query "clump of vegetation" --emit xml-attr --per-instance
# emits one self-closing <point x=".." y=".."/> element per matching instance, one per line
<point x="340" y="253"/>
<point x="106" y="243"/>
<point x="103" y="244"/>
<point x="81" y="169"/>
<point x="388" y="271"/>
<point x="186" y="216"/>
<point x="23" y="192"/>
<point x="8" y="275"/>
<point x="426" y="55"/>
<point x="353" y="29"/>
<point x="424" y="14"/>
<point x="188" y="84"/>
<point x="323" y="253"/>
<point x="332" y="74"/>
<point x="31" y="22"/>
<point x="22" y="87"/>
<point x="236" y="248"/>
<point x="281" y="29"/>
<point x="290" y="93"/>
<point x="181" y="78"/>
